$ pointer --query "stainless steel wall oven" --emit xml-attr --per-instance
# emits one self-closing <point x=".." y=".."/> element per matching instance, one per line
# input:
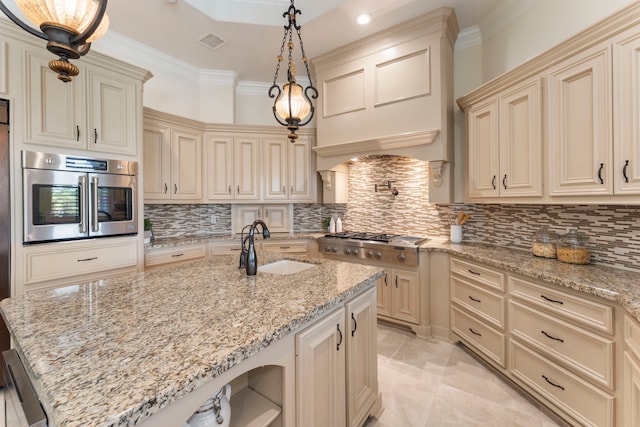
<point x="72" y="197"/>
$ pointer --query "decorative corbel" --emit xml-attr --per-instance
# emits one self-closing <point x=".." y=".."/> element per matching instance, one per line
<point x="328" y="178"/>
<point x="435" y="170"/>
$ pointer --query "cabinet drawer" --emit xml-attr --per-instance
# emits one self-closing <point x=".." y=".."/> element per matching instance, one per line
<point x="486" y="304"/>
<point x="284" y="246"/>
<point x="225" y="248"/>
<point x="632" y="335"/>
<point x="586" y="353"/>
<point x="67" y="259"/>
<point x="486" y="339"/>
<point x="476" y="272"/>
<point x="582" y="401"/>
<point x="179" y="253"/>
<point x="575" y="309"/>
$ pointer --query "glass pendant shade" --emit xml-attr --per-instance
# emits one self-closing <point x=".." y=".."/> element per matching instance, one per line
<point x="300" y="107"/>
<point x="74" y="14"/>
<point x="101" y="30"/>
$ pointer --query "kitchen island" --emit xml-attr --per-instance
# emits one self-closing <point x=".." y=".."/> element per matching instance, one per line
<point x="125" y="350"/>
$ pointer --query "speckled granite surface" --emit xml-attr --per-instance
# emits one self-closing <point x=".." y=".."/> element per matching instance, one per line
<point x="112" y="352"/>
<point x="609" y="283"/>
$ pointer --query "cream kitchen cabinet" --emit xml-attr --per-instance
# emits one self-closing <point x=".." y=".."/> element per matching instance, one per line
<point x="233" y="168"/>
<point x="336" y="366"/>
<point x="579" y="123"/>
<point x="277" y="217"/>
<point x="172" y="163"/>
<point x="626" y="125"/>
<point x="99" y="110"/>
<point x="399" y="296"/>
<point x="631" y="372"/>
<point x="505" y="144"/>
<point x="288" y="173"/>
<point x="478" y="308"/>
<point x="161" y="256"/>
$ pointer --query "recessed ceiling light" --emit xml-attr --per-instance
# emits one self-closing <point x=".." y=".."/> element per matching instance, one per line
<point x="363" y="18"/>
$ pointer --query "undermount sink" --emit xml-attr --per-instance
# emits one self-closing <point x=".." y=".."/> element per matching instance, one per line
<point x="285" y="266"/>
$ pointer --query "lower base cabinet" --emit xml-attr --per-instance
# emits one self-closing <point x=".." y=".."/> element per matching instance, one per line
<point x="336" y="366"/>
<point x="631" y="372"/>
<point x="399" y="295"/>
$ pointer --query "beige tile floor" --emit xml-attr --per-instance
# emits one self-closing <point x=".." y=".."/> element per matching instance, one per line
<point x="435" y="383"/>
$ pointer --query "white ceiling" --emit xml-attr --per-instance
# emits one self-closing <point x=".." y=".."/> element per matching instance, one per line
<point x="253" y="29"/>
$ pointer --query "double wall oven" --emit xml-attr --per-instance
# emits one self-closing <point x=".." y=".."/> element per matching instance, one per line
<point x="72" y="197"/>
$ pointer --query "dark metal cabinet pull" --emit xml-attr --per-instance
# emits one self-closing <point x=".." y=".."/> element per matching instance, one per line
<point x="77" y="133"/>
<point x="229" y="189"/>
<point x="177" y="255"/>
<point x="624" y="171"/>
<point x="340" y="332"/>
<point x="551" y="337"/>
<point x="473" y="272"/>
<point x="551" y="300"/>
<point x="504" y="181"/>
<point x="493" y="182"/>
<point x="165" y="188"/>
<point x="95" y="136"/>
<point x="396" y="281"/>
<point x="175" y="188"/>
<point x="355" y="325"/>
<point x="385" y="279"/>
<point x="474" y="332"/>
<point x="600" y="173"/>
<point x="474" y="299"/>
<point x="88" y="259"/>
<point x="552" y="383"/>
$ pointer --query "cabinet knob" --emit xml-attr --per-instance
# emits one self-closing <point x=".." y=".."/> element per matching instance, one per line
<point x="402" y="257"/>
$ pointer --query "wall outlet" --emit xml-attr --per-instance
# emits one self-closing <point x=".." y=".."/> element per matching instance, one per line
<point x="213" y="219"/>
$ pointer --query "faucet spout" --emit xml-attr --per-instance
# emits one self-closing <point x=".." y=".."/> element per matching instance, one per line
<point x="250" y="257"/>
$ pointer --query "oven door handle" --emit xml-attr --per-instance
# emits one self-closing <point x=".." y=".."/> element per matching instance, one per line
<point x="95" y="226"/>
<point x="83" y="204"/>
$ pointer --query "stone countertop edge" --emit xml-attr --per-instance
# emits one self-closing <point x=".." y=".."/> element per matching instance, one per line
<point x="174" y="241"/>
<point x="613" y="284"/>
<point x="113" y="352"/>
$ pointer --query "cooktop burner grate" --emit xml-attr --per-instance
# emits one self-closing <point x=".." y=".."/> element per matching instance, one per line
<point x="356" y="235"/>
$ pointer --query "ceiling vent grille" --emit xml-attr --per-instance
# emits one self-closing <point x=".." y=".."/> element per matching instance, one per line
<point x="212" y="41"/>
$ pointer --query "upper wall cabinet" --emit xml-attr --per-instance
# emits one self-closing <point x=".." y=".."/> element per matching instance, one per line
<point x="505" y="144"/>
<point x="591" y="107"/>
<point x="232" y="167"/>
<point x="288" y="173"/>
<point x="579" y="125"/>
<point x="99" y="110"/>
<point x="172" y="162"/>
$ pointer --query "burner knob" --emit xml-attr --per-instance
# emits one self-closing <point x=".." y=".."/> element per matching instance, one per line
<point x="334" y="250"/>
<point x="402" y="257"/>
<point x="327" y="249"/>
<point x="355" y="252"/>
<point x="369" y="254"/>
<point x="378" y="254"/>
<point x="347" y="251"/>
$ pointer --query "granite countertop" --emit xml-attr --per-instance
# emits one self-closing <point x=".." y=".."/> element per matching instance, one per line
<point x="612" y="284"/>
<point x="167" y="242"/>
<point x="113" y="352"/>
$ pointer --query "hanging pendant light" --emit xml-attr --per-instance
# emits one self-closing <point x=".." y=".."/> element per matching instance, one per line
<point x="69" y="26"/>
<point x="292" y="106"/>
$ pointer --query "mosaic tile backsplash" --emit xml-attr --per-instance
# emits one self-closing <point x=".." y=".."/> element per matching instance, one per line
<point x="613" y="231"/>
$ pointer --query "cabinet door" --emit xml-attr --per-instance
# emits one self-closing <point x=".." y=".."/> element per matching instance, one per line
<point x="245" y="215"/>
<point x="520" y="141"/>
<point x="277" y="218"/>
<point x="247" y="167"/>
<point x="219" y="161"/>
<point x="55" y="111"/>
<point x="275" y="168"/>
<point x="186" y="169"/>
<point x="631" y="391"/>
<point x="156" y="161"/>
<point x="626" y="95"/>
<point x="300" y="173"/>
<point x="362" y="365"/>
<point x="320" y="373"/>
<point x="384" y="295"/>
<point x="482" y="124"/>
<point x="112" y="121"/>
<point x="406" y="296"/>
<point x="579" y="125"/>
